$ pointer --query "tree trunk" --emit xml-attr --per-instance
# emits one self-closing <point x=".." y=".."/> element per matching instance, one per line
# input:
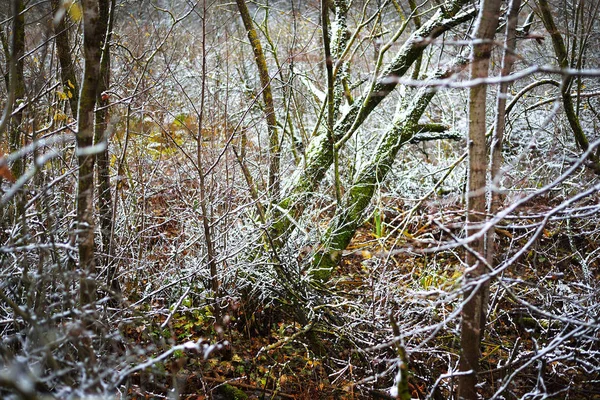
<point x="508" y="59"/>
<point x="339" y="41"/>
<point x="474" y="309"/>
<point x="17" y="139"/>
<point x="105" y="205"/>
<point x="330" y="101"/>
<point x="92" y="50"/>
<point x="204" y="201"/>
<point x="18" y="51"/>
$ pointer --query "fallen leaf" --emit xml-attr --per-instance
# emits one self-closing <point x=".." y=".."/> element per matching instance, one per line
<point x="4" y="170"/>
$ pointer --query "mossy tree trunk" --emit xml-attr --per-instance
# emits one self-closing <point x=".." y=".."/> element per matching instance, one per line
<point x="339" y="41"/>
<point x="330" y="101"/>
<point x="319" y="155"/>
<point x="358" y="198"/>
<point x="267" y="94"/>
<point x="560" y="50"/>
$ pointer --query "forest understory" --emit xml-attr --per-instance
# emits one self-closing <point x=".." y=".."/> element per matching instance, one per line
<point x="299" y="199"/>
<point x="263" y="352"/>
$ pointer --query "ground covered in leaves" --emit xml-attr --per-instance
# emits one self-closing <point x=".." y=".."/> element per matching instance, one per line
<point x="263" y="353"/>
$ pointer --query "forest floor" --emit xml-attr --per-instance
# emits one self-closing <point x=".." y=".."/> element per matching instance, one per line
<point x="266" y="356"/>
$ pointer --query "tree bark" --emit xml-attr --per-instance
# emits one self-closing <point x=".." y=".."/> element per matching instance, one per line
<point x="204" y="201"/>
<point x="18" y="51"/>
<point x="339" y="41"/>
<point x="330" y="88"/>
<point x="105" y="206"/>
<point x="508" y="59"/>
<point x="474" y="309"/>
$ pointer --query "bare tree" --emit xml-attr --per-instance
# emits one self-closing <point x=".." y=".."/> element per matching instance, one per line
<point x="476" y="284"/>
<point x="101" y="133"/>
<point x="18" y="52"/>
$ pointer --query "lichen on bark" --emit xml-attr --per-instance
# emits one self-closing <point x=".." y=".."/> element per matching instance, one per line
<point x="357" y="200"/>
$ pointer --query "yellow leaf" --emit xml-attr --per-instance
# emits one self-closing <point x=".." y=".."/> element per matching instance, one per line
<point x="74" y="10"/>
<point x="70" y="84"/>
<point x="60" y="116"/>
<point x="236" y="358"/>
<point x="61" y="95"/>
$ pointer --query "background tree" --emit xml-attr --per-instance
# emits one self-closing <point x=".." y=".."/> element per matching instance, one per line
<point x="101" y="132"/>
<point x="70" y="83"/>
<point x="18" y="51"/>
<point x="576" y="60"/>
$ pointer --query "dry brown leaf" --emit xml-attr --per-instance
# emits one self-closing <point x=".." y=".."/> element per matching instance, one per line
<point x="4" y="170"/>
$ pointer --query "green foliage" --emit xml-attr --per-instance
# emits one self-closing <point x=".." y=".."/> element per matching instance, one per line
<point x="189" y="324"/>
<point x="432" y="278"/>
<point x="181" y="120"/>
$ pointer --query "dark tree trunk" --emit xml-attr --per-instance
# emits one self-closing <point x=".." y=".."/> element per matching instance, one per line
<point x="86" y="152"/>
<point x="16" y="130"/>
<point x="105" y="203"/>
<point x="65" y="58"/>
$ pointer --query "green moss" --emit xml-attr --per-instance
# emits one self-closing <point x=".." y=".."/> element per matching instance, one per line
<point x="323" y="264"/>
<point x="232" y="393"/>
